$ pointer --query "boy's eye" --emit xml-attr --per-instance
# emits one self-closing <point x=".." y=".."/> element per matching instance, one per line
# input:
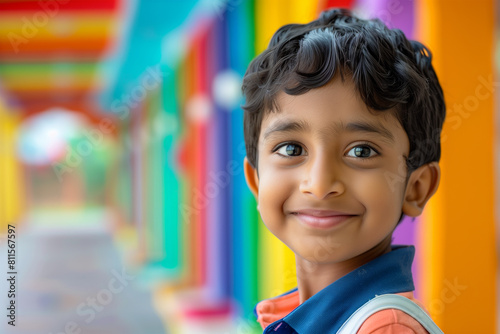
<point x="290" y="149"/>
<point x="362" y="151"/>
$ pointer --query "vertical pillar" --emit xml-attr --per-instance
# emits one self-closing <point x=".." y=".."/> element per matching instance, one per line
<point x="458" y="231"/>
<point x="10" y="179"/>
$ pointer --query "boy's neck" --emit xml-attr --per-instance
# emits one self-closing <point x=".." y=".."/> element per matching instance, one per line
<point x="313" y="277"/>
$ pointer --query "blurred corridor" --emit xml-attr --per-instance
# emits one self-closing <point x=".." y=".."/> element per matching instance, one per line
<point x="72" y="278"/>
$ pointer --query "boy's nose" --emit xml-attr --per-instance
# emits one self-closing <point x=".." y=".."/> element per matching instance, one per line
<point x="322" y="179"/>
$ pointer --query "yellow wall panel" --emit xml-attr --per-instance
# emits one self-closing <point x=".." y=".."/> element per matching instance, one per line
<point x="10" y="178"/>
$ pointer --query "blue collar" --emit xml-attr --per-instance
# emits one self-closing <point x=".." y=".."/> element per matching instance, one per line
<point x="328" y="309"/>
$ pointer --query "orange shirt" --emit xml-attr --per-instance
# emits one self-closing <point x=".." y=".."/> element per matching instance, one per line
<point x="388" y="321"/>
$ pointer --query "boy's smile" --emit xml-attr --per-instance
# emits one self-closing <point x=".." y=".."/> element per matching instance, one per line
<point x="326" y="168"/>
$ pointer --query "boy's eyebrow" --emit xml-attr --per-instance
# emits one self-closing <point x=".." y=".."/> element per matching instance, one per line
<point x="369" y="127"/>
<point x="287" y="126"/>
<point x="300" y="125"/>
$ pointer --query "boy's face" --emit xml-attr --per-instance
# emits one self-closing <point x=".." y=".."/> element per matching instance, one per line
<point x="325" y="151"/>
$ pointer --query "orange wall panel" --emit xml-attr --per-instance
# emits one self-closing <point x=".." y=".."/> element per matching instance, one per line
<point x="459" y="230"/>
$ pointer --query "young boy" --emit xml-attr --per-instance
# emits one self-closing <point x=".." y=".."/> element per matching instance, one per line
<point x="342" y="126"/>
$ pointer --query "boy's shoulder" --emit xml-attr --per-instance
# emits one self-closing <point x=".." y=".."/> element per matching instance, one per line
<point x="393" y="321"/>
<point x="382" y="322"/>
<point x="328" y="309"/>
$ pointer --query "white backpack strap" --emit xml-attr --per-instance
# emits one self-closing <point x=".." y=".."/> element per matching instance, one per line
<point x="388" y="301"/>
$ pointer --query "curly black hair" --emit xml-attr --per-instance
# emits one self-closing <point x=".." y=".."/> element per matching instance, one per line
<point x="388" y="71"/>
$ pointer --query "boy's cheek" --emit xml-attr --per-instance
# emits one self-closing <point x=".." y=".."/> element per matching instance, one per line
<point x="377" y="192"/>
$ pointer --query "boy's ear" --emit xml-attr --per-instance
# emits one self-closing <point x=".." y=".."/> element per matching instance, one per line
<point x="251" y="177"/>
<point x="422" y="184"/>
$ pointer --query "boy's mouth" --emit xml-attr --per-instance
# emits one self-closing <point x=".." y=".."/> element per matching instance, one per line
<point x="322" y="219"/>
<point x="321" y="213"/>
